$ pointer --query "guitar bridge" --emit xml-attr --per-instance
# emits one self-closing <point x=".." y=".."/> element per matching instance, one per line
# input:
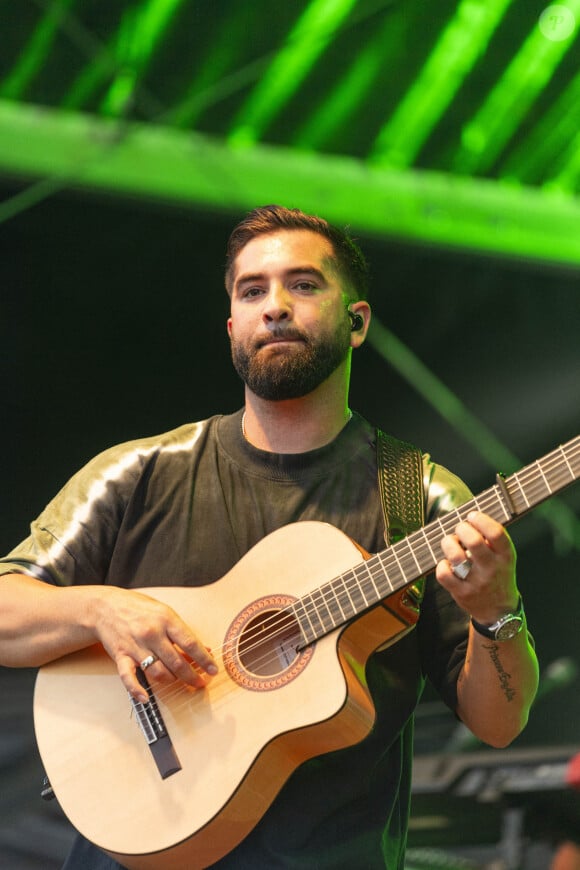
<point x="152" y="726"/>
<point x="149" y="720"/>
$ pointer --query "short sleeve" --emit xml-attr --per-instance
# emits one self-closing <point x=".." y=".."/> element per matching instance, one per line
<point x="443" y="626"/>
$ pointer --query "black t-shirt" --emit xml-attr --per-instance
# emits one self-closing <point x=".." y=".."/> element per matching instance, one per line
<point x="181" y="509"/>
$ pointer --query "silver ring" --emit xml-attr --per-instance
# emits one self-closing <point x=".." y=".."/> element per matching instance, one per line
<point x="462" y="569"/>
<point x="147" y="662"/>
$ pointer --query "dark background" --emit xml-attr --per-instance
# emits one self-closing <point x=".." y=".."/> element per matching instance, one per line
<point x="112" y="310"/>
<point x="113" y="327"/>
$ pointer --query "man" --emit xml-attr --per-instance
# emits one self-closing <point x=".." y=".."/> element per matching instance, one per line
<point x="148" y="513"/>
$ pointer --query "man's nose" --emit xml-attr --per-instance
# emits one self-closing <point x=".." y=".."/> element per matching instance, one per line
<point x="278" y="304"/>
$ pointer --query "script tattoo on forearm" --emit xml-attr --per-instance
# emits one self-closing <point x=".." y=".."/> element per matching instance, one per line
<point x="504" y="677"/>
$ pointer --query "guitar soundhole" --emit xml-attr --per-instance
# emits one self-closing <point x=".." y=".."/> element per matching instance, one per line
<point x="267" y="645"/>
<point x="260" y="651"/>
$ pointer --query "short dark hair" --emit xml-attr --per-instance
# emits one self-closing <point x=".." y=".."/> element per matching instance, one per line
<point x="267" y="219"/>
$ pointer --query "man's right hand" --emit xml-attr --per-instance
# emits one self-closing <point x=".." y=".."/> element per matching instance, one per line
<point x="132" y="626"/>
<point x="40" y="623"/>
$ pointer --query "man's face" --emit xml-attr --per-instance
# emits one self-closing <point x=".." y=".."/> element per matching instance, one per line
<point x="288" y="327"/>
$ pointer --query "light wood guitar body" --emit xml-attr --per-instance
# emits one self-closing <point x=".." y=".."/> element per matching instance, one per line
<point x="236" y="743"/>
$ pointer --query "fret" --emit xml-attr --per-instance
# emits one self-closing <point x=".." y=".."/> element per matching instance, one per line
<point x="374" y="579"/>
<point x="515" y="479"/>
<point x="435" y="550"/>
<point x="424" y="559"/>
<point x="412" y="552"/>
<point x="434" y="557"/>
<point x="406" y="559"/>
<point x="425" y="553"/>
<point x="491" y="502"/>
<point x="446" y="527"/>
<point x="557" y="469"/>
<point x="355" y="593"/>
<point x="447" y="522"/>
<point x="369" y="589"/>
<point x="314" y="624"/>
<point x="396" y="568"/>
<point x="572" y="475"/>
<point x="323" y="611"/>
<point x="314" y="616"/>
<point x="306" y="626"/>
<point x="332" y="595"/>
<point x="506" y="501"/>
<point x="544" y="478"/>
<point x="343" y="599"/>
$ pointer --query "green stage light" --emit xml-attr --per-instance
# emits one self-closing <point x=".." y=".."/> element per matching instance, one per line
<point x="352" y="90"/>
<point x="460" y="45"/>
<point x="486" y="135"/>
<point x="139" y="159"/>
<point x="123" y="59"/>
<point x="213" y="82"/>
<point x="93" y="75"/>
<point x="141" y="32"/>
<point x="33" y="56"/>
<point x="568" y="179"/>
<point x="543" y="152"/>
<point x="306" y="42"/>
<point x="127" y="60"/>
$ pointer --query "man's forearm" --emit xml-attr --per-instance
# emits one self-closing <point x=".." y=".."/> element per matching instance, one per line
<point x="497" y="686"/>
<point x="39" y="622"/>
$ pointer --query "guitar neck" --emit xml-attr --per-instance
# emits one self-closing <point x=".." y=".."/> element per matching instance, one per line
<point x="352" y="593"/>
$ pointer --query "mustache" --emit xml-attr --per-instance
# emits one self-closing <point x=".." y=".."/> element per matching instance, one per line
<point x="284" y="333"/>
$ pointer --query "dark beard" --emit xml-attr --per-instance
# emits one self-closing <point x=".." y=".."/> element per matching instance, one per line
<point x="296" y="373"/>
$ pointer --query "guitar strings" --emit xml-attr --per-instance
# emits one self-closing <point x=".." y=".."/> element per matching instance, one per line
<point x="176" y="695"/>
<point x="428" y="537"/>
<point x="277" y="624"/>
<point x="329" y="605"/>
<point x="484" y="501"/>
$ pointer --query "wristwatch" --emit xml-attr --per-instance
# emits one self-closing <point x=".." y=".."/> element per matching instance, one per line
<point x="506" y="627"/>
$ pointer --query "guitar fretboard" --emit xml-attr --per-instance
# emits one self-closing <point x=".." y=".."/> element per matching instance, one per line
<point x="343" y="598"/>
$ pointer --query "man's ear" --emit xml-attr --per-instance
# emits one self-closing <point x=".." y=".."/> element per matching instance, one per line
<point x="229" y="326"/>
<point x="363" y="309"/>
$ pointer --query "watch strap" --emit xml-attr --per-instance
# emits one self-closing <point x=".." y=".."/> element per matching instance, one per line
<point x="514" y="618"/>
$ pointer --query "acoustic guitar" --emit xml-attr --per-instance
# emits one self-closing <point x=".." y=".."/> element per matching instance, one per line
<point x="179" y="781"/>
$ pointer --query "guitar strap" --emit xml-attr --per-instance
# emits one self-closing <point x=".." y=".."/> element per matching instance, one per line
<point x="400" y="468"/>
<point x="400" y="471"/>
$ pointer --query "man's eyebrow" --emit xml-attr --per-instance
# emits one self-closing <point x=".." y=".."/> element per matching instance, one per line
<point x="307" y="270"/>
<point x="288" y="273"/>
<point x="249" y="278"/>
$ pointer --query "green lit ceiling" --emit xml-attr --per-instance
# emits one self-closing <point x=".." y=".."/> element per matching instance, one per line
<point x="451" y="123"/>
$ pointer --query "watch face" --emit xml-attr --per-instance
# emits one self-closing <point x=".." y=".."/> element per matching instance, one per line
<point x="509" y="628"/>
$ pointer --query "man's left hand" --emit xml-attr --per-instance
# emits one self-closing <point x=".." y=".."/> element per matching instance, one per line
<point x="489" y="589"/>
